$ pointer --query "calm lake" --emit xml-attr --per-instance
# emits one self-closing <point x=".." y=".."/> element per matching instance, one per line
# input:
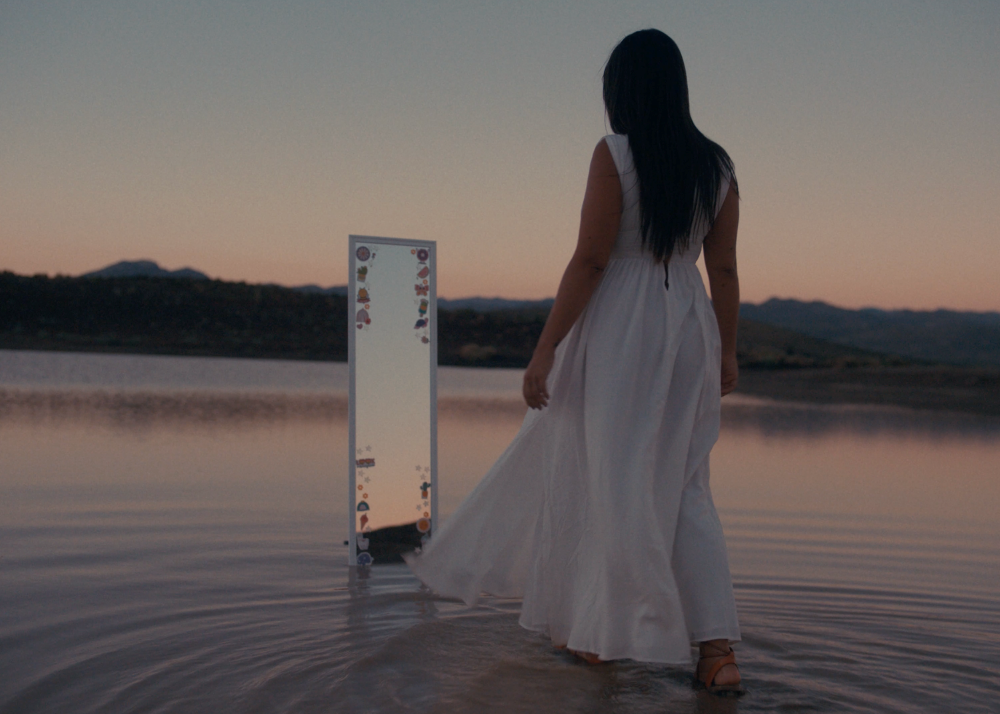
<point x="171" y="540"/>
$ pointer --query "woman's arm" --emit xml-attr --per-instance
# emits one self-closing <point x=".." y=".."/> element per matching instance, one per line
<point x="599" y="220"/>
<point x="724" y="282"/>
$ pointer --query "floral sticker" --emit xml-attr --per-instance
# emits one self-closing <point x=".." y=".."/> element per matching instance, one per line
<point x="362" y="253"/>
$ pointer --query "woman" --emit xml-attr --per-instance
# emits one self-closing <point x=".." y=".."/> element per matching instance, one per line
<point x="599" y="513"/>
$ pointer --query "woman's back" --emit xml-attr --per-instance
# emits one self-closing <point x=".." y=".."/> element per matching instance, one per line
<point x="629" y="241"/>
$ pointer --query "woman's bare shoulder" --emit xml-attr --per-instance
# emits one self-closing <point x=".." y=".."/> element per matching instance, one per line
<point x="603" y="162"/>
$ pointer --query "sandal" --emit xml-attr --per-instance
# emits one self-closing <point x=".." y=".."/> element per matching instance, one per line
<point x="720" y="689"/>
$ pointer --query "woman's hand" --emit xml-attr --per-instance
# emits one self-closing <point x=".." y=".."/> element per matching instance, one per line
<point x="536" y="394"/>
<point x="730" y="373"/>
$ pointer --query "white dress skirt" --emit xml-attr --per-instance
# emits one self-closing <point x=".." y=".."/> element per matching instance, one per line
<point x="599" y="513"/>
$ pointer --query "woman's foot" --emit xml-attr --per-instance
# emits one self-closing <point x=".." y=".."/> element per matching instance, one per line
<point x="588" y="657"/>
<point x="726" y="678"/>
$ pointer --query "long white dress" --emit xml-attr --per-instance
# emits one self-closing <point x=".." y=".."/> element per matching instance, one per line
<point x="599" y="513"/>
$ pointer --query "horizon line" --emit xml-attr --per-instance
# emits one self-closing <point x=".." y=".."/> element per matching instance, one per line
<point x="511" y="299"/>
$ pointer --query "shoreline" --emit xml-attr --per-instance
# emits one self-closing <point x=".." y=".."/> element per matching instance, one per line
<point x="967" y="390"/>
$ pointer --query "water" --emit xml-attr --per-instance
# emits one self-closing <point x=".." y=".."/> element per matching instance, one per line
<point x="171" y="538"/>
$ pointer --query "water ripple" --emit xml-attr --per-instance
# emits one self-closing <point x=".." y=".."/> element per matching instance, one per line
<point x="296" y="631"/>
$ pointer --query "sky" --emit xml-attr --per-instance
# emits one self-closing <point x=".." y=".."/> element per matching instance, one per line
<point x="248" y="139"/>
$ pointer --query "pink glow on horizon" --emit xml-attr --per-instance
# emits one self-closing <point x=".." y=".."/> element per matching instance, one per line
<point x="248" y="143"/>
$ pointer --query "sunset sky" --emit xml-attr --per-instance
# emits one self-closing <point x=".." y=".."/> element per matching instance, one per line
<point x="247" y="139"/>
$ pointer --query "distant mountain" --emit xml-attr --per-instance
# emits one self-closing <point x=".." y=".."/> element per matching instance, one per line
<point x="763" y="346"/>
<point x="481" y="304"/>
<point x="313" y="289"/>
<point x="152" y="269"/>
<point x="476" y="304"/>
<point x="145" y="314"/>
<point x="143" y="269"/>
<point x="940" y="336"/>
<point x="945" y="336"/>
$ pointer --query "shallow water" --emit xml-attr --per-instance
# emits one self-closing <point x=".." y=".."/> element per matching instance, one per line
<point x="171" y="538"/>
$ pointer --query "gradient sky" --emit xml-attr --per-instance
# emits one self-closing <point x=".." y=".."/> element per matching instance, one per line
<point x="248" y="139"/>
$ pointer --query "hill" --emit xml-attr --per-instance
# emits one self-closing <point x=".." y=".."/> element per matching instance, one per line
<point x="945" y="336"/>
<point x="494" y="304"/>
<point x="763" y="346"/>
<point x="938" y="336"/>
<point x="176" y="316"/>
<point x="145" y="269"/>
<point x="168" y="315"/>
<point x="152" y="269"/>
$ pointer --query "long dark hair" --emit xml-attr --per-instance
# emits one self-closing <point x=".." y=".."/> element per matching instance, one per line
<point x="679" y="168"/>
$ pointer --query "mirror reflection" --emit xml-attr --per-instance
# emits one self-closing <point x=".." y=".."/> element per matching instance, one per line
<point x="393" y="398"/>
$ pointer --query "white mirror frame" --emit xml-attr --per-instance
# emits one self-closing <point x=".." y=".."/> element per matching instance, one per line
<point x="356" y="241"/>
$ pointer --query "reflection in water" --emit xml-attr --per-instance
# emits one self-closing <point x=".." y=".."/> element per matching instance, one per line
<point x="145" y="410"/>
<point x="770" y="418"/>
<point x="180" y="549"/>
<point x="72" y="370"/>
<point x="233" y="409"/>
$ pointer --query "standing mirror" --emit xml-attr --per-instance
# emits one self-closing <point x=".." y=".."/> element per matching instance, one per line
<point x="392" y="353"/>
